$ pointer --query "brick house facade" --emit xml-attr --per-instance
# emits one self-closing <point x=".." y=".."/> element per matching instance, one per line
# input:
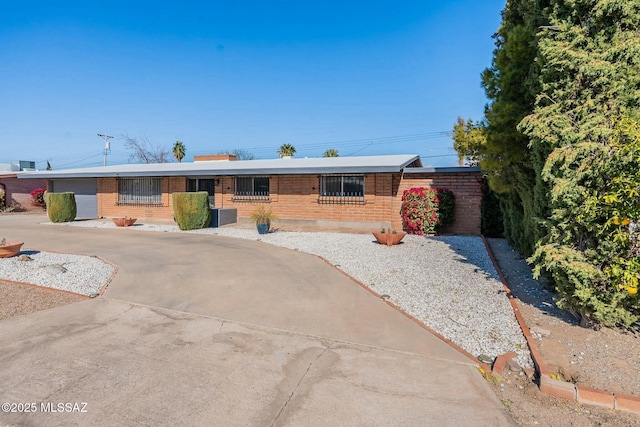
<point x="297" y="191"/>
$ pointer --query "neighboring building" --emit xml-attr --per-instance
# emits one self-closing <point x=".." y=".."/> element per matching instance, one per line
<point x="16" y="192"/>
<point x="335" y="191"/>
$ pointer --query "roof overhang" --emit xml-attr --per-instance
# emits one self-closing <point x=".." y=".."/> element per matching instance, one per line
<point x="305" y="166"/>
<point x="443" y="169"/>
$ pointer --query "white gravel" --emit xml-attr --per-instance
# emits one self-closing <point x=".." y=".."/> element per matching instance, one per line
<point x="81" y="274"/>
<point x="447" y="282"/>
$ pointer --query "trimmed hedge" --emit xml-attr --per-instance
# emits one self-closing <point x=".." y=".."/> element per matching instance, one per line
<point x="61" y="207"/>
<point x="191" y="210"/>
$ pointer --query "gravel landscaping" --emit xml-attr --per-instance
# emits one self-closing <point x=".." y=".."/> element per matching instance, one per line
<point x="447" y="282"/>
<point x="80" y="274"/>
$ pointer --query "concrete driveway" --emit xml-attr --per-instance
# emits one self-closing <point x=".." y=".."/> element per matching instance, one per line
<point x="206" y="330"/>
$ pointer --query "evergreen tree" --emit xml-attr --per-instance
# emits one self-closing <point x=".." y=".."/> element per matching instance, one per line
<point x="512" y="84"/>
<point x="585" y="117"/>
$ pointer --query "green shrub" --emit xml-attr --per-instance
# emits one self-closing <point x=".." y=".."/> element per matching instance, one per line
<point x="490" y="212"/>
<point x="446" y="201"/>
<point x="191" y="210"/>
<point x="61" y="207"/>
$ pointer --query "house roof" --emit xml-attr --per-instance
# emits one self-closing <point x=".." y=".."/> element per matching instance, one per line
<point x="284" y="166"/>
<point x="443" y="169"/>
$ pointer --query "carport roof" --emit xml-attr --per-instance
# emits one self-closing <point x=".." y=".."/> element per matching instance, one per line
<point x="285" y="166"/>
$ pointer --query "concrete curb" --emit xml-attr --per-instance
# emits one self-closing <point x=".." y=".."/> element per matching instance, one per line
<point x="553" y="387"/>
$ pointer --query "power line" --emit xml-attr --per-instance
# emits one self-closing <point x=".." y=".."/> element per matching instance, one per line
<point x="359" y="142"/>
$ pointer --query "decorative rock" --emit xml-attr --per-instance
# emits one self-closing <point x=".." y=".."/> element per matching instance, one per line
<point x="25" y="257"/>
<point x="540" y="331"/>
<point x="485" y="359"/>
<point x="530" y="372"/>
<point x="55" y="269"/>
<point x="513" y="366"/>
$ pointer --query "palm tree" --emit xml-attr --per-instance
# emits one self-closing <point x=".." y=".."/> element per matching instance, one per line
<point x="331" y="152"/>
<point x="286" y="150"/>
<point x="178" y="151"/>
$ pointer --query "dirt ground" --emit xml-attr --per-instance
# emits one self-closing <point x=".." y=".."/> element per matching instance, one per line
<point x="604" y="359"/>
<point x="19" y="299"/>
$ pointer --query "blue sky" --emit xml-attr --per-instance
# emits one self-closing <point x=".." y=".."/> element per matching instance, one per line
<point x="365" y="78"/>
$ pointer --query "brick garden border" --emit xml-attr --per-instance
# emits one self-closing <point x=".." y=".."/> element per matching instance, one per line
<point x="553" y="387"/>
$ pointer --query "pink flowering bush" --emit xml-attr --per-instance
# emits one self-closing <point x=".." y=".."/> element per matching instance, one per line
<point x="426" y="210"/>
<point x="37" y="197"/>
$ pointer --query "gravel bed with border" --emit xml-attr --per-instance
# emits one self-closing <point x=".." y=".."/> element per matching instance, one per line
<point x="446" y="282"/>
<point x="81" y="274"/>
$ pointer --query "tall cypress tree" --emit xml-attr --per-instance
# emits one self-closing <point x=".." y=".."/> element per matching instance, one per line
<point x="512" y="84"/>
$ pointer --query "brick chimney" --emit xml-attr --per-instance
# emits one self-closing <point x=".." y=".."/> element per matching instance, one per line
<point x="208" y="157"/>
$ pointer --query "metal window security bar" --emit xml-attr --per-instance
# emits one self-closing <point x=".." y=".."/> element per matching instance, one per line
<point x="252" y="188"/>
<point x="341" y="189"/>
<point x="144" y="191"/>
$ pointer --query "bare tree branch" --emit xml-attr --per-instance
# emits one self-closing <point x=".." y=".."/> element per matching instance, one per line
<point x="142" y="150"/>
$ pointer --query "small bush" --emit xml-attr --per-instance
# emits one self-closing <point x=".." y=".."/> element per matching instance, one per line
<point x="446" y="202"/>
<point x="37" y="198"/>
<point x="262" y="215"/>
<point x="191" y="210"/>
<point x="61" y="207"/>
<point x="419" y="211"/>
<point x="426" y="211"/>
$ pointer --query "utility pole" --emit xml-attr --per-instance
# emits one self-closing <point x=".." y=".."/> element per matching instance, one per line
<point x="107" y="147"/>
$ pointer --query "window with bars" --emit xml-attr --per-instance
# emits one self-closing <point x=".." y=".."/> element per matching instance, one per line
<point x="252" y="187"/>
<point x="141" y="191"/>
<point x="341" y="189"/>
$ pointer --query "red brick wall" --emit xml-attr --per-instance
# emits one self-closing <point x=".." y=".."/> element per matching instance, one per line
<point x="108" y="200"/>
<point x="295" y="197"/>
<point x="18" y="191"/>
<point x="467" y="188"/>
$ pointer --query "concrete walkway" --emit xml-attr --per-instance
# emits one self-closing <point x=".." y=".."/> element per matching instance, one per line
<point x="207" y="330"/>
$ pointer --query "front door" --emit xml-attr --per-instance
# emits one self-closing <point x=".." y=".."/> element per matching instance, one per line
<point x="204" y="184"/>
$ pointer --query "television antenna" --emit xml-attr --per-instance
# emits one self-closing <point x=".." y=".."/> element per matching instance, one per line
<point x="107" y="146"/>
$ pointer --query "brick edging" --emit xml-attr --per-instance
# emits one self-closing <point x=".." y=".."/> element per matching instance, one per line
<point x="455" y="346"/>
<point x="553" y="387"/>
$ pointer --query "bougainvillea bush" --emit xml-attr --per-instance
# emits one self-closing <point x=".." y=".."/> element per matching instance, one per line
<point x="427" y="210"/>
<point x="37" y="198"/>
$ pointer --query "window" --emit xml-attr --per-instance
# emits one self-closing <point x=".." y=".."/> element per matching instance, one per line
<point x="144" y="191"/>
<point x="341" y="189"/>
<point x="252" y="187"/>
<point x="202" y="184"/>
